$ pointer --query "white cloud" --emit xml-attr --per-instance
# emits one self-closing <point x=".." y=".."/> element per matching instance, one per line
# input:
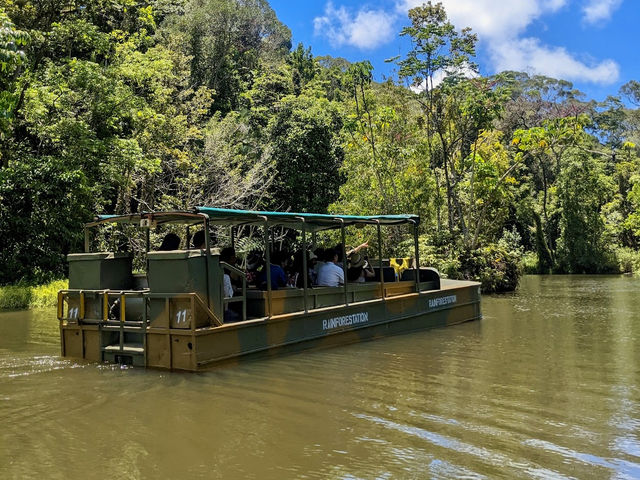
<point x="439" y="77"/>
<point x="599" y="10"/>
<point x="494" y="19"/>
<point x="367" y="29"/>
<point x="501" y="24"/>
<point x="528" y="54"/>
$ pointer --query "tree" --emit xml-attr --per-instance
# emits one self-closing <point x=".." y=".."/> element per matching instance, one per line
<point x="226" y="40"/>
<point x="304" y="67"/>
<point x="583" y="189"/>
<point x="304" y="137"/>
<point x="12" y="55"/>
<point x="439" y="53"/>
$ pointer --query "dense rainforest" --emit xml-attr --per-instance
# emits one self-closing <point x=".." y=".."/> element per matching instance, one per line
<point x="117" y="106"/>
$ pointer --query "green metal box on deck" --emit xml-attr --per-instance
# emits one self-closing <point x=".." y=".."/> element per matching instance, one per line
<point x="100" y="271"/>
<point x="178" y="271"/>
<point x="182" y="271"/>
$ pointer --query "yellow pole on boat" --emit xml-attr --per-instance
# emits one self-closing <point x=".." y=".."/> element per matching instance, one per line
<point x="60" y="305"/>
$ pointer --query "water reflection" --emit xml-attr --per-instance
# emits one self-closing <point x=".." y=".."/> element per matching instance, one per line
<point x="545" y="386"/>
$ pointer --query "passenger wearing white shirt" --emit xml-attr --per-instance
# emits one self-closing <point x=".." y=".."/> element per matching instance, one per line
<point x="228" y="255"/>
<point x="329" y="273"/>
<point x="228" y="288"/>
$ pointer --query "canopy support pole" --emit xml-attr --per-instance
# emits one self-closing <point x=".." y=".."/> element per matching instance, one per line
<point x="416" y="254"/>
<point x="380" y="257"/>
<point x="233" y="238"/>
<point x="267" y="257"/>
<point x="344" y="260"/>
<point x="304" y="265"/>
<point x="207" y="247"/>
<point x="87" y="242"/>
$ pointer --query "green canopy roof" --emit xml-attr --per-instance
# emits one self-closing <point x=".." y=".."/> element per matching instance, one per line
<point x="225" y="216"/>
<point x="313" y="221"/>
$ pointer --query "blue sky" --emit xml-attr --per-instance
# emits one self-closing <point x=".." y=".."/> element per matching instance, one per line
<point x="592" y="43"/>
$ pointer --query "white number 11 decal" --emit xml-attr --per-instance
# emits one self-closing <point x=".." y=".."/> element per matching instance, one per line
<point x="181" y="316"/>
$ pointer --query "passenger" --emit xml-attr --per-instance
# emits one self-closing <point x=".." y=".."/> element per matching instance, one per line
<point x="339" y="250"/>
<point x="278" y="276"/>
<point x="311" y="266"/>
<point x="255" y="263"/>
<point x="296" y="279"/>
<point x="294" y="270"/>
<point x="359" y="269"/>
<point x="171" y="241"/>
<point x="357" y="249"/>
<point x="228" y="255"/>
<point x="330" y="274"/>
<point x="319" y="254"/>
<point x="198" y="240"/>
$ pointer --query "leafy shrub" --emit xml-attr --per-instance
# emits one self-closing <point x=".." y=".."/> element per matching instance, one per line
<point x="20" y="297"/>
<point x="530" y="264"/>
<point x="15" y="297"/>
<point x="628" y="260"/>
<point x="498" y="266"/>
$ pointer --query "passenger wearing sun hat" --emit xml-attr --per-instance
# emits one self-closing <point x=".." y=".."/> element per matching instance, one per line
<point x="359" y="269"/>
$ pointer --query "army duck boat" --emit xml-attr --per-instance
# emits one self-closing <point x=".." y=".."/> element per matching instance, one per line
<point x="171" y="313"/>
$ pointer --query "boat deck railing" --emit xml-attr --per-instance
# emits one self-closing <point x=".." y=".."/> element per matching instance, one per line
<point x="122" y="318"/>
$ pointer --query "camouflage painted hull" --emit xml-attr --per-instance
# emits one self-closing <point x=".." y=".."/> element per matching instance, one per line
<point x="203" y="348"/>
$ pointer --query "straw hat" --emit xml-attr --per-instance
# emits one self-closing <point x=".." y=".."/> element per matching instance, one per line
<point x="356" y="260"/>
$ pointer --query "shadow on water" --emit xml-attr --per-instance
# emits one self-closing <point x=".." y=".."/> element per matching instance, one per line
<point x="545" y="386"/>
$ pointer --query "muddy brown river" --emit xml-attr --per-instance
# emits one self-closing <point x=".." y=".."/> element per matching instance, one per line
<point x="547" y="385"/>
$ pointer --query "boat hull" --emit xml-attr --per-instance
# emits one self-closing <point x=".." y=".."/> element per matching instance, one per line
<point x="206" y="348"/>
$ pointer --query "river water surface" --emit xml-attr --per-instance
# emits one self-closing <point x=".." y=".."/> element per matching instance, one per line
<point x="547" y="385"/>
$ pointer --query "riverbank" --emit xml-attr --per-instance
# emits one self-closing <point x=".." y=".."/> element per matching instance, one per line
<point x="621" y="260"/>
<point x="22" y="297"/>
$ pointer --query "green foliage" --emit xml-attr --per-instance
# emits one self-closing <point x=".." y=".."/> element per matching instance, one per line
<point x="12" y="56"/>
<point x="12" y="43"/>
<point x="385" y="166"/>
<point x="437" y="47"/>
<point x="43" y="203"/>
<point x="20" y="297"/>
<point x="225" y="40"/>
<point x="530" y="263"/>
<point x="583" y="190"/>
<point x="498" y="266"/>
<point x="130" y="105"/>
<point x="306" y="149"/>
<point x="628" y="260"/>
<point x="303" y="66"/>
